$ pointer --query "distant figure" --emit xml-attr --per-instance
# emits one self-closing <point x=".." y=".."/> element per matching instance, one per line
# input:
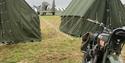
<point x="44" y="7"/>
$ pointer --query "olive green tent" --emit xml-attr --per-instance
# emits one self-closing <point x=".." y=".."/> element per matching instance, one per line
<point x="75" y="17"/>
<point x="18" y="21"/>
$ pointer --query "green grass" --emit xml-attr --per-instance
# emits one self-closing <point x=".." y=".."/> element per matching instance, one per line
<point x="55" y="47"/>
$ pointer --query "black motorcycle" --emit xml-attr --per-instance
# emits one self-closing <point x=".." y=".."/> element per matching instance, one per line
<point x="103" y="47"/>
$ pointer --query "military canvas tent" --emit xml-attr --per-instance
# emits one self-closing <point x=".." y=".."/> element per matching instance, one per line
<point x="74" y="19"/>
<point x="18" y="21"/>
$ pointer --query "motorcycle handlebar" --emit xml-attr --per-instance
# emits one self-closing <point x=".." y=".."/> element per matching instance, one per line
<point x="100" y="24"/>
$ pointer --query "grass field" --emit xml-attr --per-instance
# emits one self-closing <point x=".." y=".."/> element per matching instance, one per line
<point x="55" y="47"/>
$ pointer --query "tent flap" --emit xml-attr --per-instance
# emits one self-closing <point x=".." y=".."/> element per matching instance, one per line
<point x="74" y="19"/>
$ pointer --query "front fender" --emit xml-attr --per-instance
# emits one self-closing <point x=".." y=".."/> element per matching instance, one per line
<point x="115" y="59"/>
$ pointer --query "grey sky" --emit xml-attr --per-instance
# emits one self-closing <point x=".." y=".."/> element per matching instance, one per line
<point x="59" y="3"/>
<point x="123" y="1"/>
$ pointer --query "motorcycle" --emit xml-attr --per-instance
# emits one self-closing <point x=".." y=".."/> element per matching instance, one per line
<point x="103" y="47"/>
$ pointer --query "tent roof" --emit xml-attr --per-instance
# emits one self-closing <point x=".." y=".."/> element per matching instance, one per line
<point x="76" y="7"/>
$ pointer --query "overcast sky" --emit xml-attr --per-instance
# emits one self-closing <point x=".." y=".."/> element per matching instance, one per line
<point x="59" y="3"/>
<point x="123" y="1"/>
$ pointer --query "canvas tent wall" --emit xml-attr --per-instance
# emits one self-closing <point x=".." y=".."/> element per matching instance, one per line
<point x="18" y="22"/>
<point x="74" y="19"/>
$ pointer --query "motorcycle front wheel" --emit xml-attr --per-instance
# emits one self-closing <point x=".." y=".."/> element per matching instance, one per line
<point x="88" y="59"/>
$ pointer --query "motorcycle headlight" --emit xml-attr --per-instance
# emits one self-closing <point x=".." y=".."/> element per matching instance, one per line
<point x="104" y="37"/>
